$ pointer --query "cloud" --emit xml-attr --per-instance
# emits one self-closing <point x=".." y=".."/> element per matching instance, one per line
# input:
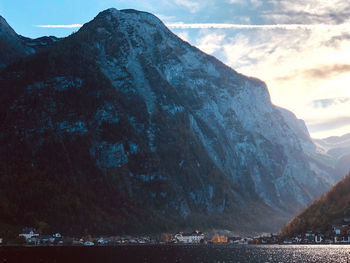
<point x="334" y="123"/>
<point x="165" y="18"/>
<point x="211" y="43"/>
<point x="320" y="72"/>
<point x="192" y="6"/>
<point x="308" y="11"/>
<point x="240" y="2"/>
<point x="180" y="25"/>
<point x="326" y="72"/>
<point x="253" y="3"/>
<point x="60" y="26"/>
<point x="335" y="41"/>
<point x="326" y="103"/>
<point x="184" y="35"/>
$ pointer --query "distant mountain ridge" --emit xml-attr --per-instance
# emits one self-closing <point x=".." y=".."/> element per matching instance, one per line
<point x="130" y="129"/>
<point x="14" y="47"/>
<point x="329" y="157"/>
<point x="336" y="151"/>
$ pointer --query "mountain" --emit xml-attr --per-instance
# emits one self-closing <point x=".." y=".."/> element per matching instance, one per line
<point x="14" y="46"/>
<point x="124" y="127"/>
<point x="330" y="209"/>
<point x="11" y="48"/>
<point x="329" y="157"/>
<point x="337" y="151"/>
<point x="300" y="129"/>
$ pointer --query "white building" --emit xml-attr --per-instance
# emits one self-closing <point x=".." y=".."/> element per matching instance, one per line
<point x="318" y="239"/>
<point x="342" y="240"/>
<point x="194" y="237"/>
<point x="28" y="232"/>
<point x="101" y="241"/>
<point x="57" y="235"/>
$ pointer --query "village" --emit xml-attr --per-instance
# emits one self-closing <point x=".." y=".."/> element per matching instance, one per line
<point x="29" y="236"/>
<point x="338" y="234"/>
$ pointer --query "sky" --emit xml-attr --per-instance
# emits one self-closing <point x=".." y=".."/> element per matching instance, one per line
<point x="300" y="48"/>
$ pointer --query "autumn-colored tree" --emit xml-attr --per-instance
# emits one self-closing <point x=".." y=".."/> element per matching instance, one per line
<point x="219" y="239"/>
<point x="166" y="238"/>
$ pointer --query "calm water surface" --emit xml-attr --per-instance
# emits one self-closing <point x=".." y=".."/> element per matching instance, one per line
<point x="176" y="253"/>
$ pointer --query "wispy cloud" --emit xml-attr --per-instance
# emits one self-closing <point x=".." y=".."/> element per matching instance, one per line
<point x="192" y="6"/>
<point x="181" y="25"/>
<point x="252" y="3"/>
<point x="319" y="72"/>
<point x="328" y="71"/>
<point x="165" y="18"/>
<point x="335" y="41"/>
<point x="329" y="102"/>
<point x="60" y="26"/>
<point x="184" y="35"/>
<point x="308" y="11"/>
<point x="334" y="123"/>
<point x="211" y="43"/>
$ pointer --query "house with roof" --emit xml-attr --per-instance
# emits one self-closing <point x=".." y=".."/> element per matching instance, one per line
<point x="336" y="229"/>
<point x="57" y="235"/>
<point x="189" y="238"/>
<point x="310" y="234"/>
<point x="46" y="239"/>
<point x="34" y="240"/>
<point x="29" y="232"/>
<point x="319" y="238"/>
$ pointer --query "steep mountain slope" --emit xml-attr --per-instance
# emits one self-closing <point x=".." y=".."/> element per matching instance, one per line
<point x="300" y="129"/>
<point x="10" y="44"/>
<point x="330" y="209"/>
<point x="129" y="128"/>
<point x="337" y="151"/>
<point x="13" y="46"/>
<point x="327" y="157"/>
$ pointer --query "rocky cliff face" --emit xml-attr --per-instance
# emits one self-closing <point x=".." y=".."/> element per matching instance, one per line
<point x="329" y="157"/>
<point x="124" y="120"/>
<point x="336" y="153"/>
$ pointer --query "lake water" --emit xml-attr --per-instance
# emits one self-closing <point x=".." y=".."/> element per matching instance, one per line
<point x="176" y="253"/>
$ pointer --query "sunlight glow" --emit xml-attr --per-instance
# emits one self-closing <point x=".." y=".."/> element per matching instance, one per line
<point x="303" y="69"/>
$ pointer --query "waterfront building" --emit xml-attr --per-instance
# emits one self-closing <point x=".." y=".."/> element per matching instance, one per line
<point x="194" y="237"/>
<point x="29" y="232"/>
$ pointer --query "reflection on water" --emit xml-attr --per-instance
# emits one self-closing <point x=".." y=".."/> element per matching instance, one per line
<point x="180" y="253"/>
<point x="293" y="253"/>
<point x="269" y="253"/>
